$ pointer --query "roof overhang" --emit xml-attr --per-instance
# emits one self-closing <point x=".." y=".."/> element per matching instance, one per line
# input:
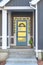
<point x="34" y="2"/>
<point x="3" y="2"/>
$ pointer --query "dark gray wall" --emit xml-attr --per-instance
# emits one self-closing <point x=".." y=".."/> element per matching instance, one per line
<point x="0" y="0"/>
<point x="18" y="3"/>
<point x="40" y="25"/>
<point x="0" y="23"/>
<point x="0" y="27"/>
<point x="34" y="29"/>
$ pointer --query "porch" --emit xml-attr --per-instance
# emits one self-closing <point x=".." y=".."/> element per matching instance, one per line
<point x="7" y="36"/>
<point x="11" y="29"/>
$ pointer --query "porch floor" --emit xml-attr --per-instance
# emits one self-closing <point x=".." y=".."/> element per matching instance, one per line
<point x="20" y="47"/>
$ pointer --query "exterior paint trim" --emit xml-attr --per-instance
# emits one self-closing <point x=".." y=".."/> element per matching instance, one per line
<point x="17" y="7"/>
<point x="33" y="28"/>
<point x="39" y="51"/>
<point x="3" y="2"/>
<point x="32" y="6"/>
<point x="36" y="31"/>
<point x="34" y="2"/>
<point x="4" y="29"/>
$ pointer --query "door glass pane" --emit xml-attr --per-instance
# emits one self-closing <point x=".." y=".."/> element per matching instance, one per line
<point x="22" y="24"/>
<point x="21" y="33"/>
<point x="22" y="39"/>
<point x="21" y="28"/>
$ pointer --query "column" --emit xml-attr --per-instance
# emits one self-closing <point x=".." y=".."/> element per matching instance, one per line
<point x="9" y="28"/>
<point x="4" y="29"/>
<point x="36" y="32"/>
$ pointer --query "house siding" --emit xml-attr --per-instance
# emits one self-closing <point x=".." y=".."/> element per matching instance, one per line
<point x="0" y="0"/>
<point x="40" y="25"/>
<point x="0" y="28"/>
<point x="0" y="23"/>
<point x="18" y="3"/>
<point x="34" y="29"/>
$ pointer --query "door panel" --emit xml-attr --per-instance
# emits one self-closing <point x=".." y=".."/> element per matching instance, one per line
<point x="21" y="33"/>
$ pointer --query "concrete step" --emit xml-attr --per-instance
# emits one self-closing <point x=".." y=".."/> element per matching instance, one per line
<point x="13" y="55"/>
<point x="21" y="59"/>
<point x="23" y="53"/>
<point x="20" y="52"/>
<point x="13" y="50"/>
<point x="21" y="56"/>
<point x="21" y="63"/>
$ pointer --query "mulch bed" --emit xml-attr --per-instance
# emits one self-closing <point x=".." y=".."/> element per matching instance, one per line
<point x="2" y="63"/>
<point x="40" y="62"/>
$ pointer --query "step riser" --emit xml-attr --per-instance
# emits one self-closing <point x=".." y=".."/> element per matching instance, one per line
<point x="32" y="53"/>
<point x="22" y="62"/>
<point x="21" y="50"/>
<point x="22" y="57"/>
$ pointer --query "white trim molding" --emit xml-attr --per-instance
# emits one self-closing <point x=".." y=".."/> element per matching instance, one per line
<point x="17" y="7"/>
<point x="9" y="28"/>
<point x="36" y="31"/>
<point x="4" y="29"/>
<point x="39" y="51"/>
<point x="3" y="2"/>
<point x="34" y="2"/>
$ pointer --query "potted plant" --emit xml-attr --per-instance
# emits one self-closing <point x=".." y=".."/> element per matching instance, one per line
<point x="31" y="42"/>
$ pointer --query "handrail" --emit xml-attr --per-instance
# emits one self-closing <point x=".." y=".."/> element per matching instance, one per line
<point x="11" y="36"/>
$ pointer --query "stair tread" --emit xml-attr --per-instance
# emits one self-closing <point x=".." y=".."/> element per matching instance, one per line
<point x="21" y="63"/>
<point x="21" y="59"/>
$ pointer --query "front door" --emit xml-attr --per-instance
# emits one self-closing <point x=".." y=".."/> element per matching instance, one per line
<point x="21" y="32"/>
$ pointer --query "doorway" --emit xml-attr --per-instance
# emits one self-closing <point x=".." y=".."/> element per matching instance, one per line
<point x="22" y="28"/>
